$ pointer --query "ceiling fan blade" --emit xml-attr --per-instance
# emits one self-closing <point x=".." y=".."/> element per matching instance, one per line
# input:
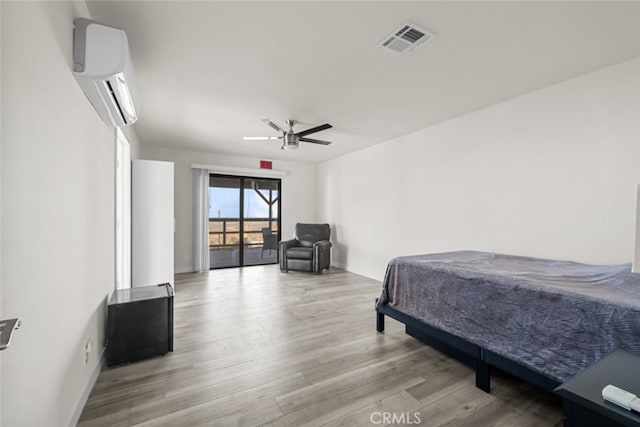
<point x="273" y="125"/>
<point x="260" y="138"/>
<point x="315" y="141"/>
<point x="314" y="130"/>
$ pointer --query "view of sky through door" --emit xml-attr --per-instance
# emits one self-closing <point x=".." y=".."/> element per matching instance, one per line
<point x="224" y="203"/>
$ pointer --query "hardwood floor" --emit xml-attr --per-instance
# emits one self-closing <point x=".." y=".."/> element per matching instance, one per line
<point x="254" y="346"/>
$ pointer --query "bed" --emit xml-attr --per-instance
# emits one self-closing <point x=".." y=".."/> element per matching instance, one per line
<point x="541" y="320"/>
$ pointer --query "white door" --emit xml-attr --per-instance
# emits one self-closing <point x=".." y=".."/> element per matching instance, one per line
<point x="123" y="212"/>
<point x="152" y="223"/>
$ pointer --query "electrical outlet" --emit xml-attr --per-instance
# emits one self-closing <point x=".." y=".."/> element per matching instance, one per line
<point x="87" y="352"/>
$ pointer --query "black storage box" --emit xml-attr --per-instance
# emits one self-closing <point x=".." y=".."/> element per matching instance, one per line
<point x="139" y="323"/>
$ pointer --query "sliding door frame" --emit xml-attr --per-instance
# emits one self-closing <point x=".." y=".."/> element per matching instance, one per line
<point x="241" y="219"/>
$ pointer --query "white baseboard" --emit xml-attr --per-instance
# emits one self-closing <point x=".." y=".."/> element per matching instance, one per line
<point x="87" y="391"/>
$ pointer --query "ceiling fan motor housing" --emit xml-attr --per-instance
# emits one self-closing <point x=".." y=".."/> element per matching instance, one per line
<point x="290" y="141"/>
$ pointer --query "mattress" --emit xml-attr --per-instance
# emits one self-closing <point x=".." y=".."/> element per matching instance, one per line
<point x="553" y="317"/>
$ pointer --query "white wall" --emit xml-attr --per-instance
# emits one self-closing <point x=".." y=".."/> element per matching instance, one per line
<point x="57" y="217"/>
<point x="549" y="174"/>
<point x="298" y="193"/>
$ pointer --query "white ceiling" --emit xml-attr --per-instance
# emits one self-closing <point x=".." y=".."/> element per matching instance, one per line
<point x="209" y="71"/>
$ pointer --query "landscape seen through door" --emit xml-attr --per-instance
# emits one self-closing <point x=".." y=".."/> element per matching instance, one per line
<point x="244" y="221"/>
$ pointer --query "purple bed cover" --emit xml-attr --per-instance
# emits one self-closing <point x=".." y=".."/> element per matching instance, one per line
<point x="554" y="317"/>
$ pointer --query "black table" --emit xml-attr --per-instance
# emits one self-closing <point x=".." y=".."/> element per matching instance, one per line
<point x="583" y="404"/>
<point x="139" y="323"/>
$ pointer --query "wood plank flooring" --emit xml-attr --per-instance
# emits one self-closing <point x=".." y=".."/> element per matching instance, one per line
<point x="254" y="346"/>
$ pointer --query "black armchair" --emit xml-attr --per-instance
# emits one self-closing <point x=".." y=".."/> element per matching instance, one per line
<point x="310" y="250"/>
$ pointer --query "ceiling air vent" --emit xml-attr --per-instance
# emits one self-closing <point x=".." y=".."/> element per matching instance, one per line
<point x="407" y="38"/>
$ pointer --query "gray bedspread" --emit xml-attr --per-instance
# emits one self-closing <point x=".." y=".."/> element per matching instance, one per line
<point x="554" y="317"/>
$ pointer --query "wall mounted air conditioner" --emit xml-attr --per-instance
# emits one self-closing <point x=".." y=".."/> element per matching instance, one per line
<point x="103" y="68"/>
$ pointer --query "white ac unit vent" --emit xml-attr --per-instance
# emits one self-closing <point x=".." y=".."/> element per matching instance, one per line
<point x="102" y="67"/>
<point x="406" y="39"/>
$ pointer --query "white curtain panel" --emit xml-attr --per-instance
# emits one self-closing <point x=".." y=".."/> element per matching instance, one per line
<point x="201" y="219"/>
<point x="636" y="253"/>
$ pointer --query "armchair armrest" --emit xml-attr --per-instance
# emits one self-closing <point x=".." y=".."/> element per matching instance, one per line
<point x="321" y="256"/>
<point x="286" y="244"/>
<point x="322" y="244"/>
<point x="283" y="245"/>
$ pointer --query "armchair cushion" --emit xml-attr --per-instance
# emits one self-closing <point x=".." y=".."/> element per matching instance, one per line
<point x="300" y="253"/>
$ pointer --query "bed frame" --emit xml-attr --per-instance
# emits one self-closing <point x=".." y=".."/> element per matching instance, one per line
<point x="481" y="359"/>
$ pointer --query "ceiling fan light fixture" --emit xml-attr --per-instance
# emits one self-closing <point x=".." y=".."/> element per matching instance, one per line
<point x="290" y="146"/>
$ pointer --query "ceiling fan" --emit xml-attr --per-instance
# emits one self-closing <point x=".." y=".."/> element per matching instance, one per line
<point x="290" y="139"/>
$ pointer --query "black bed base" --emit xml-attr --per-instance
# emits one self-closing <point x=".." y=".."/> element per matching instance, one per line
<point x="481" y="359"/>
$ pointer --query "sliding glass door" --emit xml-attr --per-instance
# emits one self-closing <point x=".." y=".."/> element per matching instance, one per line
<point x="224" y="221"/>
<point x="244" y="221"/>
<point x="261" y="221"/>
